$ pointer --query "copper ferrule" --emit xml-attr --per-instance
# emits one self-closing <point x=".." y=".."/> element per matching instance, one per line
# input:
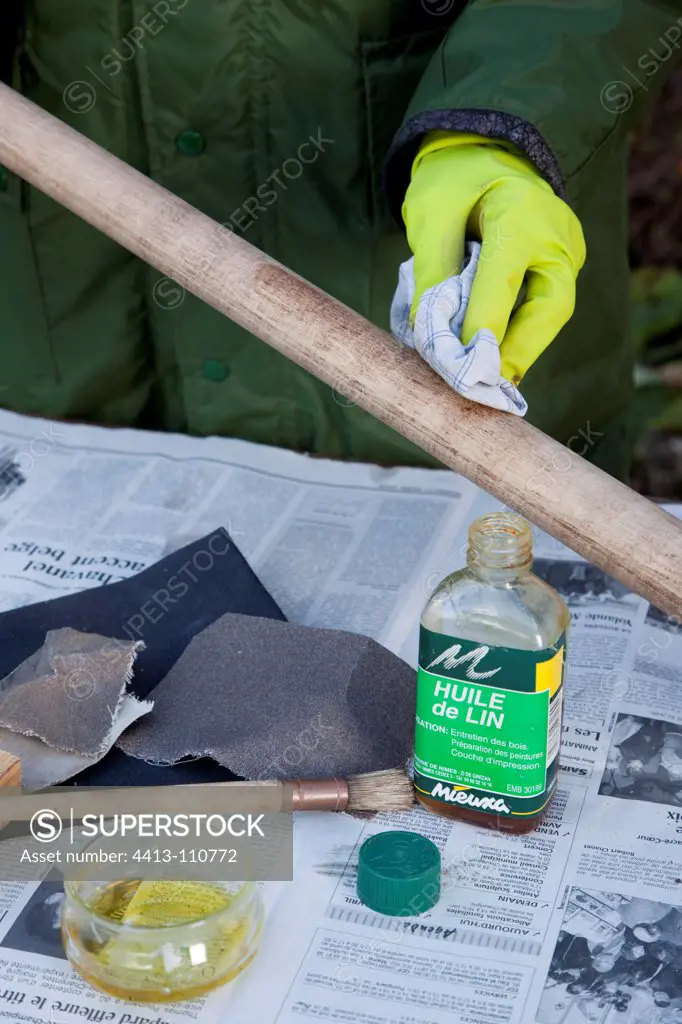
<point x="316" y="795"/>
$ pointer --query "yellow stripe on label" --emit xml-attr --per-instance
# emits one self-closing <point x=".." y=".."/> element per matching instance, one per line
<point x="548" y="674"/>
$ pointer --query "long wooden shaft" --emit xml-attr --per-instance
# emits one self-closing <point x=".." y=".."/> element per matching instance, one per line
<point x="623" y="533"/>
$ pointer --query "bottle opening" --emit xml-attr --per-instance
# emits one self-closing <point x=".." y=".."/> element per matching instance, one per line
<point x="501" y="541"/>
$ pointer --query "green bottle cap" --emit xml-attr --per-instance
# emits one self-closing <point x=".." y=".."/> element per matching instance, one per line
<point x="399" y="874"/>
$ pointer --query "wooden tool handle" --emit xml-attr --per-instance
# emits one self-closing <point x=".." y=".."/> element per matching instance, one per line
<point x="620" y="531"/>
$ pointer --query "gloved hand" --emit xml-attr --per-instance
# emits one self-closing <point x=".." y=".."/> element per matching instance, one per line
<point x="466" y="186"/>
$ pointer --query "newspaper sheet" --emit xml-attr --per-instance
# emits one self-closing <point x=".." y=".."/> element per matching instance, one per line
<point x="580" y="920"/>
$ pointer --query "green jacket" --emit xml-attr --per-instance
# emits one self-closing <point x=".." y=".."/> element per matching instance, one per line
<point x="295" y="122"/>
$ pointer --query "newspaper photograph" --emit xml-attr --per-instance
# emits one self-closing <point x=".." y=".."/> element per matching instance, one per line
<point x="616" y="958"/>
<point x="580" y="583"/>
<point x="577" y="921"/>
<point x="644" y="761"/>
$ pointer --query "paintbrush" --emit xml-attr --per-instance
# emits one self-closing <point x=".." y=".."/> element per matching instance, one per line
<point x="389" y="790"/>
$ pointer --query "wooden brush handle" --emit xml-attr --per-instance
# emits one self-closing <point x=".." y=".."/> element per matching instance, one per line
<point x="621" y="532"/>
<point x="244" y="797"/>
<point x="251" y="797"/>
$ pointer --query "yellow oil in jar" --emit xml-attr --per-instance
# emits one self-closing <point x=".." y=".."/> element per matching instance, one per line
<point x="161" y="940"/>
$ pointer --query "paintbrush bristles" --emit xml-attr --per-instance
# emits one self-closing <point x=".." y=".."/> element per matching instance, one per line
<point x="389" y="790"/>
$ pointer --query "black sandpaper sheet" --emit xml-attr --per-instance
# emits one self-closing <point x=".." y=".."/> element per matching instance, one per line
<point x="275" y="700"/>
<point x="205" y="580"/>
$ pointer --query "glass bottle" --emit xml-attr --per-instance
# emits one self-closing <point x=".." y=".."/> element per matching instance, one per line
<point x="489" y="689"/>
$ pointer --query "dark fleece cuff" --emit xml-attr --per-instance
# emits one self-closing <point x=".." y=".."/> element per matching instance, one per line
<point x="491" y="123"/>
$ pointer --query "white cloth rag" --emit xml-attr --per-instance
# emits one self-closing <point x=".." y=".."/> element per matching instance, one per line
<point x="473" y="370"/>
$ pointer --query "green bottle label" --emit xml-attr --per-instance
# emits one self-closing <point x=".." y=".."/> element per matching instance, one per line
<point x="488" y="724"/>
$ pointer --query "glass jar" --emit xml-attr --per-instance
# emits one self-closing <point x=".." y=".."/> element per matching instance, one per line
<point x="160" y="941"/>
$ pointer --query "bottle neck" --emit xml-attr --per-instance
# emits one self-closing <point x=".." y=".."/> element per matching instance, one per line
<point x="500" y="547"/>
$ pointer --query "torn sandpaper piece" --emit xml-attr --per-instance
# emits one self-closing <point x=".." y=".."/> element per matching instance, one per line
<point x="43" y="766"/>
<point x="270" y="699"/>
<point x="65" y="706"/>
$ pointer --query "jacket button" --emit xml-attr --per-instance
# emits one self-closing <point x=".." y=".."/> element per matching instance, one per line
<point x="215" y="369"/>
<point x="190" y="143"/>
<point x="4" y="179"/>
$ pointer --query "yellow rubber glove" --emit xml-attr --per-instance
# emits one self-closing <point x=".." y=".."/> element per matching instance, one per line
<point x="466" y="186"/>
